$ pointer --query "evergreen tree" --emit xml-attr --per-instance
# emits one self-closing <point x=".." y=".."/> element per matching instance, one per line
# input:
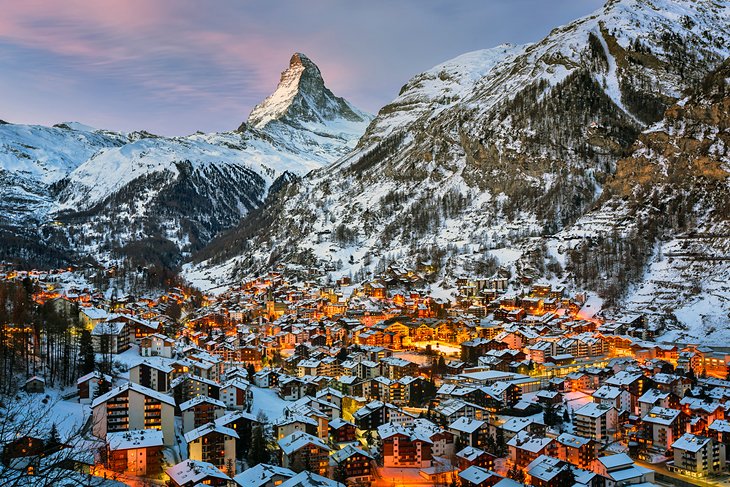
<point x="53" y="438"/>
<point x="86" y="350"/>
<point x="103" y="387"/>
<point x="566" y="416"/>
<point x="441" y="368"/>
<point x="251" y="372"/>
<point x="259" y="452"/>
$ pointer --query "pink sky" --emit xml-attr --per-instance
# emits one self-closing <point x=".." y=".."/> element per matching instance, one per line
<point x="173" y="67"/>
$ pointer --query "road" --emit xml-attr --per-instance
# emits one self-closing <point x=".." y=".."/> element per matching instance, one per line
<point x="694" y="481"/>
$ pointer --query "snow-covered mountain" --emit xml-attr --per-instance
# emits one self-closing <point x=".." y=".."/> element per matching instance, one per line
<point x="479" y="155"/>
<point x="96" y="192"/>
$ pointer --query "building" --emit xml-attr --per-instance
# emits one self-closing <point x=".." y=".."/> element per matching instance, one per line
<point x="697" y="456"/>
<point x="88" y="385"/>
<point x="524" y="448"/>
<point x="576" y="450"/>
<point x="620" y="470"/>
<point x="215" y="444"/>
<point x="263" y="475"/>
<point x="475" y="476"/>
<point x="190" y="473"/>
<point x="355" y="462"/>
<point x="157" y="345"/>
<point x="301" y="451"/>
<point x="596" y="421"/>
<point x="200" y="410"/>
<point x="135" y="452"/>
<point x="664" y="426"/>
<point x="134" y="407"/>
<point x="156" y="376"/>
<point x="405" y="447"/>
<point x="110" y="337"/>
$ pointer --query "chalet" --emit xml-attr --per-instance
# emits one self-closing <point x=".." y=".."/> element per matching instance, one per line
<point x="619" y="469"/>
<point x="153" y="375"/>
<point x="475" y="476"/>
<point x="133" y="407"/>
<point x="35" y="385"/>
<point x="357" y="464"/>
<point x="471" y="432"/>
<point x="236" y="394"/>
<point x="524" y="448"/>
<point x="720" y="430"/>
<point x="405" y="447"/>
<point x="663" y="426"/>
<point x="200" y="410"/>
<point x="263" y="475"/>
<point x="190" y="473"/>
<point x="576" y="450"/>
<point x="471" y="456"/>
<point x="341" y="431"/>
<point x="215" y="444"/>
<point x="135" y="452"/>
<point x="88" y="385"/>
<point x="187" y="386"/>
<point x="302" y="451"/>
<point x="90" y="317"/>
<point x="110" y="337"/>
<point x="157" y="345"/>
<point x="546" y="471"/>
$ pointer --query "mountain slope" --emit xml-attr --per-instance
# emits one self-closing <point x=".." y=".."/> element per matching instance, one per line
<point x="485" y="151"/>
<point x="671" y="198"/>
<point x="105" y="194"/>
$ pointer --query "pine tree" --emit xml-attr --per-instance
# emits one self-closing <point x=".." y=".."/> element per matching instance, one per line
<point x="251" y="371"/>
<point x="259" y="452"/>
<point x="103" y="387"/>
<point x="86" y="350"/>
<point x="53" y="438"/>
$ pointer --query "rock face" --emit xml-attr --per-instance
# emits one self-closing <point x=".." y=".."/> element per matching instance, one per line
<point x="75" y="191"/>
<point x="301" y="98"/>
<point x="674" y="193"/>
<point x="491" y="148"/>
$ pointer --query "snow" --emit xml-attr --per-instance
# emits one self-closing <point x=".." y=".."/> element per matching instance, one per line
<point x="268" y="402"/>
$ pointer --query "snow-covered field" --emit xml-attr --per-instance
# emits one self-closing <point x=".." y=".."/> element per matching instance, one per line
<point x="268" y="402"/>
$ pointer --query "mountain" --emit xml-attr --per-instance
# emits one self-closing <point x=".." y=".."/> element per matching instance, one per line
<point x="663" y="222"/>
<point x="483" y="154"/>
<point x="75" y="191"/>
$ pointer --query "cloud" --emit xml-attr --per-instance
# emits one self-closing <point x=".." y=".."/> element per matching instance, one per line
<point x="175" y="66"/>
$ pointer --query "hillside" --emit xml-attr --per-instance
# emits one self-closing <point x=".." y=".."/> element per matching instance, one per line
<point x="485" y="151"/>
<point x="76" y="192"/>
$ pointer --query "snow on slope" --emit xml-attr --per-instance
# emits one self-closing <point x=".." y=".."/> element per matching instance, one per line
<point x="72" y="171"/>
<point x="47" y="154"/>
<point x="458" y="137"/>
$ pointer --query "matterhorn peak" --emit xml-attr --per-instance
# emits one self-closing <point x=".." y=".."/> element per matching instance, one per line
<point x="301" y="98"/>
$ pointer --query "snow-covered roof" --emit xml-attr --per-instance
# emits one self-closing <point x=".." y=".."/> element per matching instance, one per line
<point x="690" y="442"/>
<point x="466" y="425"/>
<point x="476" y="475"/>
<point x="261" y="474"/>
<point x="132" y="439"/>
<point x="200" y="399"/>
<point x="131" y="386"/>
<point x="207" y="429"/>
<point x="189" y="471"/>
<point x="309" y="479"/>
<point x="297" y="440"/>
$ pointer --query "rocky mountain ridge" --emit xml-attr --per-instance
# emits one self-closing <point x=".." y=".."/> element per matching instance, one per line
<point x="77" y="191"/>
